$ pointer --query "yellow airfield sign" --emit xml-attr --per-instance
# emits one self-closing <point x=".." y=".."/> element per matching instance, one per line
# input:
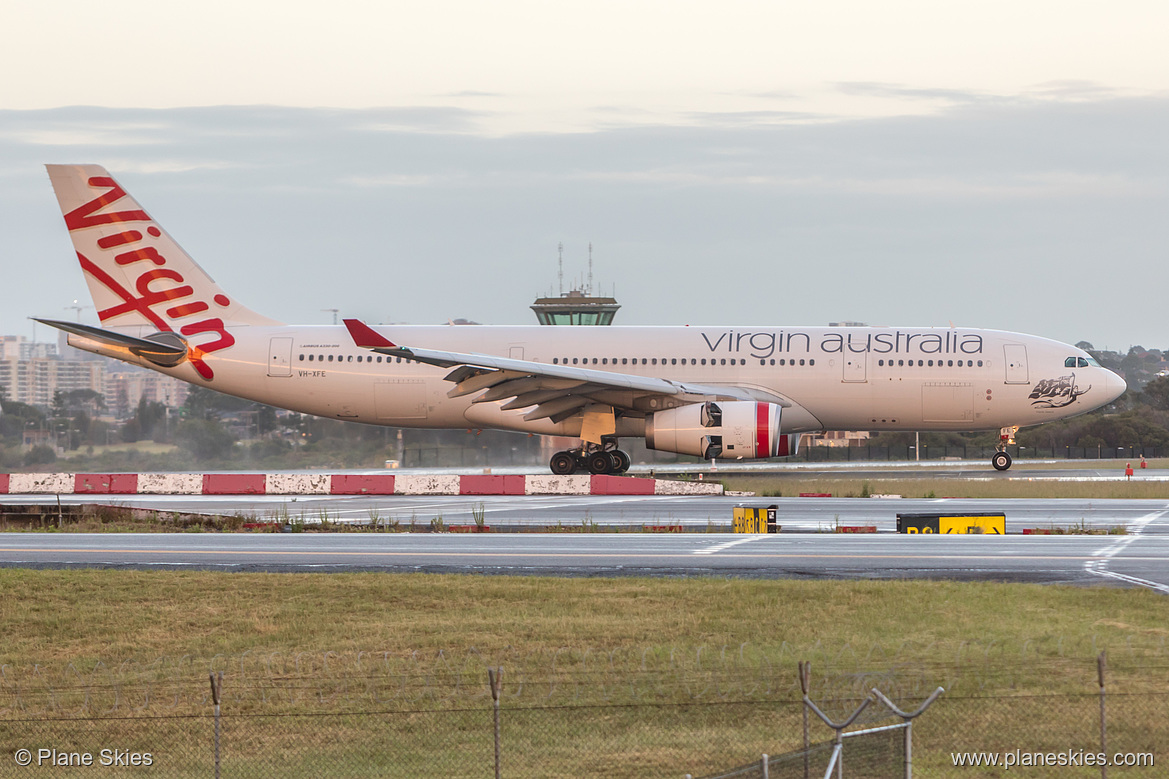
<point x="952" y="524"/>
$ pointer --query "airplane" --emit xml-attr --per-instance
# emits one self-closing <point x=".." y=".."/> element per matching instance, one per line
<point x="739" y="393"/>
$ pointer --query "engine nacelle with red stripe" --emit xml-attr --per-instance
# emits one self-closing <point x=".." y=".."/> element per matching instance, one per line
<point x="737" y="429"/>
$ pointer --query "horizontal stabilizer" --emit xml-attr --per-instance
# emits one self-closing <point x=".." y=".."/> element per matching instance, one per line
<point x="168" y="350"/>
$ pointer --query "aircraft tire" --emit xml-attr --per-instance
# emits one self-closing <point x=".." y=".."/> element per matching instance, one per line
<point x="562" y="464"/>
<point x="623" y="461"/>
<point x="602" y="462"/>
<point x="1001" y="461"/>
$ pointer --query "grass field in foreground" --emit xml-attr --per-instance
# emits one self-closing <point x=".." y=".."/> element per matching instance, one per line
<point x="54" y="616"/>
<point x="597" y="642"/>
<point x="990" y="487"/>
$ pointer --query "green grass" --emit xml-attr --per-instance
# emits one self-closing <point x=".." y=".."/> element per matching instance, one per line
<point x="990" y="487"/>
<point x="605" y="677"/>
<point x="71" y="615"/>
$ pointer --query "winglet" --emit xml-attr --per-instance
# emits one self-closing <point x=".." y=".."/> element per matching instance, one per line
<point x="366" y="337"/>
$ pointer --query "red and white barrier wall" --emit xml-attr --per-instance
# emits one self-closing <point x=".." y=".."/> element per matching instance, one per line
<point x="340" y="484"/>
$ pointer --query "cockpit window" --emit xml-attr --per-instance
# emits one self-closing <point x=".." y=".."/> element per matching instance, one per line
<point x="1089" y="361"/>
<point x="1080" y="362"/>
<point x="1069" y="362"/>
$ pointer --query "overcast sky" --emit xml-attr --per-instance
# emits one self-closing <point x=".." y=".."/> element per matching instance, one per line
<point x="915" y="163"/>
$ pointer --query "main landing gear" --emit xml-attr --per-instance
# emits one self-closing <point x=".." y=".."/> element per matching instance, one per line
<point x="606" y="458"/>
<point x="1001" y="460"/>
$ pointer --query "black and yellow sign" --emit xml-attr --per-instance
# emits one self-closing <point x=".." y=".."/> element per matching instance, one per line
<point x="749" y="519"/>
<point x="966" y="524"/>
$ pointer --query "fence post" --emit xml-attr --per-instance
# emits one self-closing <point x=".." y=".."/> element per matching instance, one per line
<point x="216" y="690"/>
<point x="764" y="766"/>
<point x="805" y="674"/>
<point x="1101" y="662"/>
<point x="908" y="717"/>
<point x="494" y="678"/>
<point x="837" y="726"/>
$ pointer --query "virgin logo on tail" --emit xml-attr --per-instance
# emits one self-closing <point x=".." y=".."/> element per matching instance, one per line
<point x="156" y="287"/>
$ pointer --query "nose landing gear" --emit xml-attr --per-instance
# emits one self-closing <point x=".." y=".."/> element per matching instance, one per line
<point x="1001" y="460"/>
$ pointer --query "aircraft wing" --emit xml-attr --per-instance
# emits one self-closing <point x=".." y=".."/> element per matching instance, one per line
<point x="555" y="391"/>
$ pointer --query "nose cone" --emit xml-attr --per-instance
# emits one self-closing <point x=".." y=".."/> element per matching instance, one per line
<point x="1114" y="386"/>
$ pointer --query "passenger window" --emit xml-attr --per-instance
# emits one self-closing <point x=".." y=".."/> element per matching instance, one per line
<point x="980" y="363"/>
<point x="801" y="362"/>
<point x="811" y="362"/>
<point x="310" y="358"/>
<point x="674" y="361"/>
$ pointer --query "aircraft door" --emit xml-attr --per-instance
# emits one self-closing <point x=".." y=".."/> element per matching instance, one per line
<point x="1015" y="360"/>
<point x="280" y="357"/>
<point x="855" y="365"/>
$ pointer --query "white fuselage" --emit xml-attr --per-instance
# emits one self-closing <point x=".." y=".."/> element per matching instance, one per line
<point x="846" y="378"/>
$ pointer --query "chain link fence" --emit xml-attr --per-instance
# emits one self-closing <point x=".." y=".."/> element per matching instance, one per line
<point x="653" y="712"/>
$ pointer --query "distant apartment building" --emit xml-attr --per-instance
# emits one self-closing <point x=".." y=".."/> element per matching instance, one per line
<point x="35" y="381"/>
<point x="125" y="386"/>
<point x="33" y="372"/>
<point x="17" y="347"/>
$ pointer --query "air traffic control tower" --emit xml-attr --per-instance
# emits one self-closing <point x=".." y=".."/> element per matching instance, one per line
<point x="577" y="306"/>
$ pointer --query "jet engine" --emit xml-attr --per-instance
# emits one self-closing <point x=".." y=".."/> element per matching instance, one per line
<point x="737" y="429"/>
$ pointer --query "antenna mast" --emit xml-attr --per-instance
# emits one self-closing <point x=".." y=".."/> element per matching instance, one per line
<point x="76" y="307"/>
<point x="589" y="289"/>
<point x="560" y="274"/>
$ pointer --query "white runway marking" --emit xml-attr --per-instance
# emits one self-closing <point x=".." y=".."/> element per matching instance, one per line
<point x="727" y="545"/>
<point x="1100" y="567"/>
